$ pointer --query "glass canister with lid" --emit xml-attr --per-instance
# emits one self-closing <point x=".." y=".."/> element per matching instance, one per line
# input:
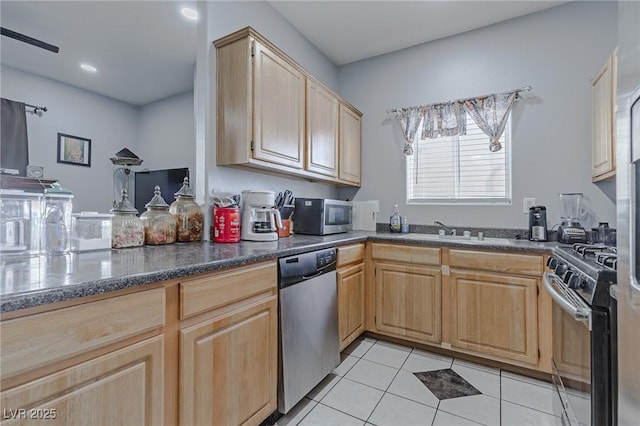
<point x="57" y="219"/>
<point x="127" y="229"/>
<point x="188" y="214"/>
<point x="20" y="222"/>
<point x="159" y="223"/>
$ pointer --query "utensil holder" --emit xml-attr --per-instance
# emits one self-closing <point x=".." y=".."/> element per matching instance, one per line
<point x="285" y="231"/>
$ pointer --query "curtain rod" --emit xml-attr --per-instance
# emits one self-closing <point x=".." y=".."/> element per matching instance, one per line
<point x="29" y="40"/>
<point x="517" y="91"/>
<point x="37" y="109"/>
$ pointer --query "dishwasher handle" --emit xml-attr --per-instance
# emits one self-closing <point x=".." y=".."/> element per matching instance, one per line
<point x="296" y="269"/>
<point x="317" y="274"/>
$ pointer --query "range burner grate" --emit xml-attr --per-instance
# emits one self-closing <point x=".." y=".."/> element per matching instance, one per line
<point x="592" y="250"/>
<point x="608" y="260"/>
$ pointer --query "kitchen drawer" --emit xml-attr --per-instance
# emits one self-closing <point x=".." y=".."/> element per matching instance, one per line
<point x="350" y="254"/>
<point x="408" y="254"/>
<point x="511" y="263"/>
<point x="36" y="340"/>
<point x="216" y="290"/>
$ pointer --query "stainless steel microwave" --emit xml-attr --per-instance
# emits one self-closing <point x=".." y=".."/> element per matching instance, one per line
<point x="321" y="216"/>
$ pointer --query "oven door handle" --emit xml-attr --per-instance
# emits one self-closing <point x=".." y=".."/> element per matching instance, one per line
<point x="579" y="313"/>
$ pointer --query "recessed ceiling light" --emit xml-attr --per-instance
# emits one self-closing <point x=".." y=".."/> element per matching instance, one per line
<point x="88" y="67"/>
<point x="189" y="13"/>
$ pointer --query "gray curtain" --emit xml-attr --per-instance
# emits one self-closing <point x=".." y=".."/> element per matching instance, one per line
<point x="490" y="114"/>
<point x="410" y="120"/>
<point x="14" y="145"/>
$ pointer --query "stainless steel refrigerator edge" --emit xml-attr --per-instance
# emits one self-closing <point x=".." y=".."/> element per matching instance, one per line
<point x="627" y="187"/>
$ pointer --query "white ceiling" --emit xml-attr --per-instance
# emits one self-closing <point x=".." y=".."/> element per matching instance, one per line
<point x="347" y="31"/>
<point x="146" y="50"/>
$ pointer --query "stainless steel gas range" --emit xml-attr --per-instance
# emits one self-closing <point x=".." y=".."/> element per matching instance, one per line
<point x="584" y="333"/>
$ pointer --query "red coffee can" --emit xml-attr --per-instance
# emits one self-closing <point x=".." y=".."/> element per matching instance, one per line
<point x="226" y="224"/>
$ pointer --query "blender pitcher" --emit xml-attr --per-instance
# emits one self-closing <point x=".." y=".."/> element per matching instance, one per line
<point x="570" y="231"/>
<point x="571" y="207"/>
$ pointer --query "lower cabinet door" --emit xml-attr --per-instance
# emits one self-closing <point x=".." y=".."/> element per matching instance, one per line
<point x="495" y="314"/>
<point x="350" y="303"/>
<point x="124" y="387"/>
<point x="228" y="368"/>
<point x="571" y="346"/>
<point x="408" y="301"/>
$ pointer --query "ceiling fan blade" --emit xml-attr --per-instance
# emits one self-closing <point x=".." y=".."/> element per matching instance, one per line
<point x="29" y="40"/>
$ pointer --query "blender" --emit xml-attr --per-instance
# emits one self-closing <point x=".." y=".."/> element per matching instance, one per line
<point x="570" y="231"/>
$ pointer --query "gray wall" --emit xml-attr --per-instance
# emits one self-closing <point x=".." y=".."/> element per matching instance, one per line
<point x="166" y="133"/>
<point x="222" y="18"/>
<point x="110" y="124"/>
<point x="161" y="133"/>
<point x="556" y="51"/>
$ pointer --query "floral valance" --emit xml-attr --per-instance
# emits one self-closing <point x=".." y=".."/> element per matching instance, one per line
<point x="489" y="112"/>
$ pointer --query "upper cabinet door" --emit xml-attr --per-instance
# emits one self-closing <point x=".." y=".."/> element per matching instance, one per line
<point x="278" y="122"/>
<point x="322" y="130"/>
<point x="272" y="115"/>
<point x="350" y="134"/>
<point x="603" y="147"/>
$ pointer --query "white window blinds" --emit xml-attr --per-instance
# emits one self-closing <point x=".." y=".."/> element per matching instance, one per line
<point x="460" y="169"/>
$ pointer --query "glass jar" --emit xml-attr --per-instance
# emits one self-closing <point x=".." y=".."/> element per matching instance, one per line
<point x="159" y="224"/>
<point x="20" y="222"/>
<point x="57" y="219"/>
<point x="188" y="215"/>
<point x="127" y="229"/>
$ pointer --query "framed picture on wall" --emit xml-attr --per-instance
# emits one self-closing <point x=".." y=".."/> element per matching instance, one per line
<point x="74" y="150"/>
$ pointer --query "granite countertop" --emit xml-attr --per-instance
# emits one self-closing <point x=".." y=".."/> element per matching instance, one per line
<point x="34" y="281"/>
<point x="496" y="244"/>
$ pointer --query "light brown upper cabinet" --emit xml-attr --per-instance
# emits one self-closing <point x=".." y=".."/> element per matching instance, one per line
<point x="255" y="82"/>
<point x="350" y="145"/>
<point x="278" y="121"/>
<point x="275" y="116"/>
<point x="603" y="143"/>
<point x="322" y="130"/>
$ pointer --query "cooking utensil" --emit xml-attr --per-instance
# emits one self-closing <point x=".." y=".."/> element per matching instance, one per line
<point x="279" y="200"/>
<point x="286" y="211"/>
<point x="288" y="197"/>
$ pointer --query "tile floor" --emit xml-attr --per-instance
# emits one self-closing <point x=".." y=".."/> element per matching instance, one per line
<point x="375" y="385"/>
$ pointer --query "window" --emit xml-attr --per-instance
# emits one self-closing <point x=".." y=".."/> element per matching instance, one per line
<point x="460" y="169"/>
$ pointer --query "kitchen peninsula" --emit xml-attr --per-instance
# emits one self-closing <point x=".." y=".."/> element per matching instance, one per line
<point x="33" y="281"/>
<point x="160" y="332"/>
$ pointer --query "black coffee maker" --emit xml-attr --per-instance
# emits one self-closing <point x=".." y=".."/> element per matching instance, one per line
<point x="538" y="223"/>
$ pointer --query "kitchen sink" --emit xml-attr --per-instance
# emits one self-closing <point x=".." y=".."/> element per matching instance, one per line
<point x="462" y="238"/>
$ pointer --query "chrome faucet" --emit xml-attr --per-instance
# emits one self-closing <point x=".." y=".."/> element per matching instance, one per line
<point x="452" y="231"/>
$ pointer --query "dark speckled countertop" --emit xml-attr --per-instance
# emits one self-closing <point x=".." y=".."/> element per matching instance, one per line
<point x="34" y="281"/>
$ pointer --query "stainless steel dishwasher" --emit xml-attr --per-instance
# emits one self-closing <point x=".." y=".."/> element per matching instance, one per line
<point x="309" y="342"/>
